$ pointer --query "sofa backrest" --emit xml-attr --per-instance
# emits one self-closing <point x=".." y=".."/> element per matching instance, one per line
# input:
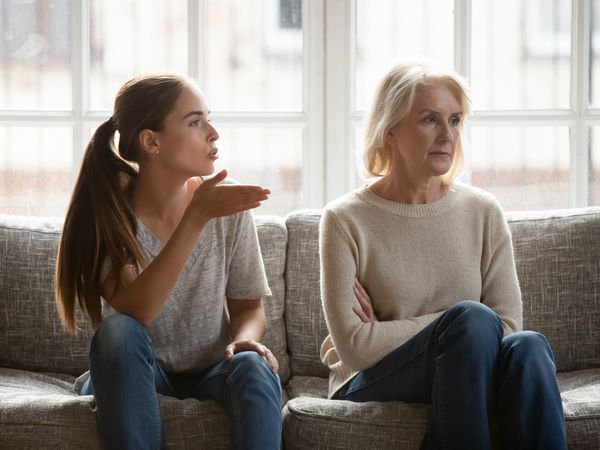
<point x="557" y="255"/>
<point x="31" y="336"/>
<point x="558" y="263"/>
<point x="305" y="322"/>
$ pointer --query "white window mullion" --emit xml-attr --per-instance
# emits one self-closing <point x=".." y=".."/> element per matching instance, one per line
<point x="80" y="64"/>
<point x="339" y="43"/>
<point x="462" y="65"/>
<point x="462" y="37"/>
<point x="313" y="135"/>
<point x="196" y="40"/>
<point x="580" y="64"/>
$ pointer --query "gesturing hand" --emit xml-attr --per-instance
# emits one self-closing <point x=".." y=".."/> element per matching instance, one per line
<point x="212" y="199"/>
<point x="251" y="345"/>
<point x="365" y="312"/>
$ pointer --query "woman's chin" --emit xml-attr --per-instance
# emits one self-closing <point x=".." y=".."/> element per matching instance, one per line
<point x="440" y="170"/>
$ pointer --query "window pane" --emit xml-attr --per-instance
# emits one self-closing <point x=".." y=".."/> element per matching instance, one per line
<point x="35" y="170"/>
<point x="253" y="58"/>
<point x="595" y="168"/>
<point x="35" y="54"/>
<point x="361" y="176"/>
<point x="391" y="29"/>
<point x="131" y="37"/>
<point x="271" y="157"/>
<point x="521" y="54"/>
<point x="525" y="167"/>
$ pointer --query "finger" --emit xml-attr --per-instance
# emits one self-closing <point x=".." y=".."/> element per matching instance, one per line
<point x="361" y="315"/>
<point x="216" y="179"/>
<point x="250" y="345"/>
<point x="365" y="303"/>
<point x="272" y="360"/>
<point x="229" y="351"/>
<point x="251" y="193"/>
<point x="361" y="289"/>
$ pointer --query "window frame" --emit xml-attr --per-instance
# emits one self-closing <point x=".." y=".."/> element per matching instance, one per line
<point x="341" y="15"/>
<point x="328" y="118"/>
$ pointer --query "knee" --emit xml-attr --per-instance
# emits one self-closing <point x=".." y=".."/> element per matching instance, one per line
<point x="249" y="366"/>
<point x="474" y="321"/>
<point x="527" y="348"/>
<point x="118" y="337"/>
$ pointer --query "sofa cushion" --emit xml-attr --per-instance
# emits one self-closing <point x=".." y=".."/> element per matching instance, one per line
<point x="38" y="410"/>
<point x="272" y="235"/>
<point x="32" y="336"/>
<point x="580" y="392"/>
<point x="306" y="327"/>
<point x="557" y="256"/>
<point x="311" y="421"/>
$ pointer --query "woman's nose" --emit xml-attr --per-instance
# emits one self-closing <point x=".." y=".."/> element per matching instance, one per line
<point x="448" y="133"/>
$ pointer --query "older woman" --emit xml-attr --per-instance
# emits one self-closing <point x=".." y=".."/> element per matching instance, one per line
<point x="419" y="285"/>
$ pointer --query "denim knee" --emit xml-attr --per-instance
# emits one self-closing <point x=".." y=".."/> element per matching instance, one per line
<point x="528" y="348"/>
<point x="250" y="366"/>
<point x="474" y="321"/>
<point x="118" y="338"/>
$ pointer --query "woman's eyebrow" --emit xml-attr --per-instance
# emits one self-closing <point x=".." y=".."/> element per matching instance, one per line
<point x="431" y="111"/>
<point x="194" y="113"/>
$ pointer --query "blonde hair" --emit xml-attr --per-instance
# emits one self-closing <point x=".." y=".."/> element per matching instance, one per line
<point x="393" y="101"/>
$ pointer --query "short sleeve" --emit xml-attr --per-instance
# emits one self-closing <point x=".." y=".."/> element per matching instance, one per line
<point x="246" y="277"/>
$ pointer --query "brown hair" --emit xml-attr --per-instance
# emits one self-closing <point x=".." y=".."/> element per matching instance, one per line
<point x="393" y="101"/>
<point x="100" y="225"/>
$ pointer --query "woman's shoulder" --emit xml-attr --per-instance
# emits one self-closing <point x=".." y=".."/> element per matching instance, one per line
<point x="476" y="196"/>
<point x="347" y="202"/>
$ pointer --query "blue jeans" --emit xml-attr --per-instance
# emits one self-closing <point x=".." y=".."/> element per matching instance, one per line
<point x="478" y="383"/>
<point x="125" y="377"/>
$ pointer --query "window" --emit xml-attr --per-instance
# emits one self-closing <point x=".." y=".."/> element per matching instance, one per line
<point x="289" y="82"/>
<point x="530" y="140"/>
<point x="64" y="60"/>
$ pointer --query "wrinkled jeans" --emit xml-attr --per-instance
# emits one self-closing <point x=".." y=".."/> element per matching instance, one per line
<point x="125" y="377"/>
<point x="482" y="387"/>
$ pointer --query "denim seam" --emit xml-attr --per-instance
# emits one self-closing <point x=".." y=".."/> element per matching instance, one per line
<point x="233" y="411"/>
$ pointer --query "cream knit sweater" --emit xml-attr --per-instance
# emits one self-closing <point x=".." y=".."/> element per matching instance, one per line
<point x="415" y="261"/>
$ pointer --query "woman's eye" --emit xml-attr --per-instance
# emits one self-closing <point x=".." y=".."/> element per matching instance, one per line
<point x="430" y="119"/>
<point x="455" y="121"/>
<point x="194" y="123"/>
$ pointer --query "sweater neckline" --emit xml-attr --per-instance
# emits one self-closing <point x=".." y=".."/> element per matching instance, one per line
<point x="412" y="210"/>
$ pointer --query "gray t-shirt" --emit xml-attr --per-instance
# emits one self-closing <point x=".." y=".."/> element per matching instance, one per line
<point x="191" y="331"/>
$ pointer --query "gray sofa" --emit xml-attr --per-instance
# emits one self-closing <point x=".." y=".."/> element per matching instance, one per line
<point x="558" y="262"/>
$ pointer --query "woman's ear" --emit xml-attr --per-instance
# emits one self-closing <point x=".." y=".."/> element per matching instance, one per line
<point x="389" y="137"/>
<point x="148" y="141"/>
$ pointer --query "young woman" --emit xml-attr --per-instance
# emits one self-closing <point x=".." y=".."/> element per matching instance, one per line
<point x="168" y="269"/>
<point x="419" y="285"/>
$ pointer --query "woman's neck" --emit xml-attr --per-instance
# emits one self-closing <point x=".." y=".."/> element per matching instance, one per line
<point x="160" y="199"/>
<point x="402" y="189"/>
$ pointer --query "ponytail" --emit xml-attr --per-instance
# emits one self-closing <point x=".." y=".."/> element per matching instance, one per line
<point x="99" y="226"/>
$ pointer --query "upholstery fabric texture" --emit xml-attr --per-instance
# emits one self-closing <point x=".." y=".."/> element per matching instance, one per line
<point x="557" y="257"/>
